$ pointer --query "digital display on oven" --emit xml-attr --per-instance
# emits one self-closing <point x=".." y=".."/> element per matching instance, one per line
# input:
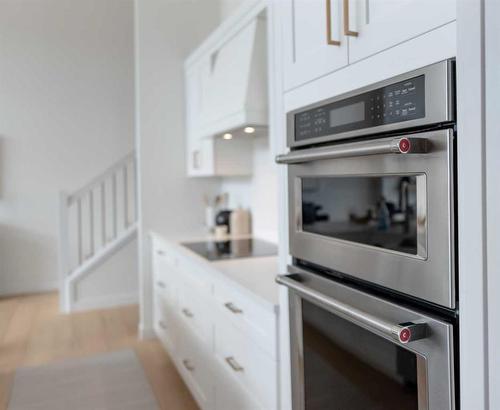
<point x="347" y="114"/>
<point x="403" y="101"/>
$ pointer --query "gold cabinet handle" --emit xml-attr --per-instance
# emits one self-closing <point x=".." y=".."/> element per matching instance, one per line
<point x="188" y="365"/>
<point x="347" y="31"/>
<point x="329" y="39"/>
<point x="232" y="308"/>
<point x="231" y="361"/>
<point x="187" y="313"/>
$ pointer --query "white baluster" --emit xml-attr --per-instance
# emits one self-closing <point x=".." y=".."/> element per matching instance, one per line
<point x="79" y="230"/>
<point x="91" y="222"/>
<point x="125" y="196"/>
<point x="103" y="213"/>
<point x="115" y="207"/>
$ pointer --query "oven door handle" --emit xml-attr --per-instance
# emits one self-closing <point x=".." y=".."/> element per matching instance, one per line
<point x="403" y="332"/>
<point x="405" y="145"/>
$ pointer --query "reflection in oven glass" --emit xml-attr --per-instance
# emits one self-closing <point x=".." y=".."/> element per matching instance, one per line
<point x="375" y="210"/>
<point x="348" y="368"/>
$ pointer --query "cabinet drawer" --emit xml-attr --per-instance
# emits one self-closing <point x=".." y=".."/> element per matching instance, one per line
<point x="195" y="277"/>
<point x="251" y="318"/>
<point x="195" y="310"/>
<point x="164" y="323"/>
<point x="165" y="287"/>
<point x="194" y="360"/>
<point x="165" y="267"/>
<point x="230" y="394"/>
<point x="247" y="362"/>
<point x="162" y="254"/>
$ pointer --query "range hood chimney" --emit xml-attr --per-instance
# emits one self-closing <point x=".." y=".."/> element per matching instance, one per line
<point x="234" y="85"/>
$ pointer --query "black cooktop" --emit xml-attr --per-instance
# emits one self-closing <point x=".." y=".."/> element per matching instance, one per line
<point x="232" y="249"/>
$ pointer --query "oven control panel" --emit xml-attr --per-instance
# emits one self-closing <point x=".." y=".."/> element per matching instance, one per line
<point x="398" y="102"/>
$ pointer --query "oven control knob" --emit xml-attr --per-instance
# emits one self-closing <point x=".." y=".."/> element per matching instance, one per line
<point x="410" y="145"/>
<point x="409" y="332"/>
<point x="404" y="145"/>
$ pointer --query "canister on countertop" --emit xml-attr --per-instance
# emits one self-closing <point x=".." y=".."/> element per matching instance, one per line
<point x="240" y="222"/>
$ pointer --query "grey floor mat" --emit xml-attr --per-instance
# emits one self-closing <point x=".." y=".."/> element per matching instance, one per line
<point x="108" y="381"/>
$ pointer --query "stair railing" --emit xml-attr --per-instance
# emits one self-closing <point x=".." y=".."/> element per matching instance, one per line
<point x="95" y="220"/>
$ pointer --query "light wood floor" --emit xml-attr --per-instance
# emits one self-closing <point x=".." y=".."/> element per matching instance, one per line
<point x="33" y="332"/>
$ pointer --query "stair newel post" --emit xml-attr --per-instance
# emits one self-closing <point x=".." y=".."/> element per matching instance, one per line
<point x="64" y="264"/>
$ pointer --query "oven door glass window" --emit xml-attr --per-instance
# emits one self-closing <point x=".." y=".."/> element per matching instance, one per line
<point x="383" y="211"/>
<point x="349" y="368"/>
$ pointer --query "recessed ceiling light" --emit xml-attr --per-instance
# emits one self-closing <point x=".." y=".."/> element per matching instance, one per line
<point x="227" y="136"/>
<point x="249" y="130"/>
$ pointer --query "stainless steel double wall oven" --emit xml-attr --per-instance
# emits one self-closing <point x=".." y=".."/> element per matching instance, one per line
<point x="373" y="302"/>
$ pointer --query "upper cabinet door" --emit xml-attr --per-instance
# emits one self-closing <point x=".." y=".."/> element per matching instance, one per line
<point x="375" y="25"/>
<point x="313" y="39"/>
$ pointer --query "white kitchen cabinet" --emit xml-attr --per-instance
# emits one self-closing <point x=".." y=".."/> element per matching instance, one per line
<point x="193" y="359"/>
<point x="234" y="81"/>
<point x="230" y="394"/>
<point x="322" y="36"/>
<point x="222" y="341"/>
<point x="314" y="45"/>
<point x="217" y="157"/>
<point x="382" y="24"/>
<point x="200" y="153"/>
<point x="251" y="366"/>
<point x="226" y="91"/>
<point x="210" y="156"/>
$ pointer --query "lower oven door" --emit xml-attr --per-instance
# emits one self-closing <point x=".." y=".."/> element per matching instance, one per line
<point x="382" y="216"/>
<point x="354" y="351"/>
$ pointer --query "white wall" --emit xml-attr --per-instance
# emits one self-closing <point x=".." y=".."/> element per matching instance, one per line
<point x="171" y="204"/>
<point x="113" y="283"/>
<point x="257" y="192"/>
<point x="227" y="7"/>
<point x="66" y="113"/>
<point x="492" y="148"/>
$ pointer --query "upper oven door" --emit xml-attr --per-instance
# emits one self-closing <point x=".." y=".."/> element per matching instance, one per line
<point x="380" y="216"/>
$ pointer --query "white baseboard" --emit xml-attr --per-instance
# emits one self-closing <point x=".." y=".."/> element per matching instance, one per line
<point x="105" y="302"/>
<point x="27" y="287"/>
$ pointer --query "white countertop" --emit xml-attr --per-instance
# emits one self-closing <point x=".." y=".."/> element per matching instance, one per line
<point x="253" y="275"/>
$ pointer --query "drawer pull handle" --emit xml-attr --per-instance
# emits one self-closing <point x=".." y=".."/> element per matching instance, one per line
<point x="231" y="361"/>
<point x="188" y="365"/>
<point x="162" y="325"/>
<point x="231" y="307"/>
<point x="161" y="284"/>
<point x="187" y="313"/>
<point x="160" y="252"/>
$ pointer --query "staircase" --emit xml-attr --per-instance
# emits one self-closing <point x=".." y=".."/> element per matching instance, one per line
<point x="95" y="222"/>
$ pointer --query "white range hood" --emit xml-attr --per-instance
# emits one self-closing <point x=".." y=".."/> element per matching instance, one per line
<point x="234" y="84"/>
